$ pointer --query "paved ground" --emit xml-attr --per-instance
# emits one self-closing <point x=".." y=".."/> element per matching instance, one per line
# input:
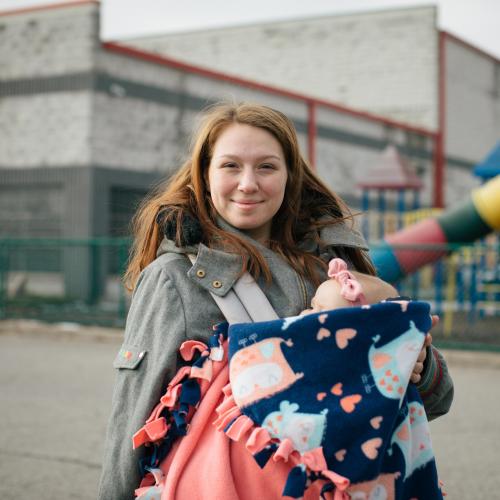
<point x="466" y="441"/>
<point x="55" y="389"/>
<point x="55" y="394"/>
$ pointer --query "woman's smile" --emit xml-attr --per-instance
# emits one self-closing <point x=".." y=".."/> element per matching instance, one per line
<point x="246" y="204"/>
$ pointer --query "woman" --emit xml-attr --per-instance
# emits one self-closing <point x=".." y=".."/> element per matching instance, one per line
<point x="245" y="200"/>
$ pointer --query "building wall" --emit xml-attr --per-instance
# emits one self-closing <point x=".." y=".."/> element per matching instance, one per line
<point x="42" y="43"/>
<point x="45" y="129"/>
<point x="472" y="119"/>
<point x="106" y="110"/>
<point x="141" y="115"/>
<point x="86" y="129"/>
<point x="472" y="101"/>
<point x="384" y="62"/>
<point x="144" y="112"/>
<point x="68" y="102"/>
<point x="46" y="70"/>
<point x="157" y="114"/>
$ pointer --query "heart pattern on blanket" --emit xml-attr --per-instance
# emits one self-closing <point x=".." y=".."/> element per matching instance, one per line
<point x="349" y="403"/>
<point x="404" y="433"/>
<point x="340" y="455"/>
<point x="337" y="389"/>
<point x="370" y="448"/>
<point x="376" y="421"/>
<point x="380" y="359"/>
<point x="322" y="318"/>
<point x="323" y="333"/>
<point x="343" y="336"/>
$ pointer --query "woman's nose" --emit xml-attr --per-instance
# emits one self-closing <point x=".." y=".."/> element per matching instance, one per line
<point x="248" y="181"/>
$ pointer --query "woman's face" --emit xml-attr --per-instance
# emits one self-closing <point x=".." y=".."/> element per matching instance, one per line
<point x="247" y="178"/>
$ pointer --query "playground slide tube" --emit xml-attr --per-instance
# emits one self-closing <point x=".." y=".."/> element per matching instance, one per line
<point x="405" y="251"/>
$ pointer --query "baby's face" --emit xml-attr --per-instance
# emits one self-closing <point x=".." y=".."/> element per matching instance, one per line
<point x="327" y="297"/>
<point x="328" y="294"/>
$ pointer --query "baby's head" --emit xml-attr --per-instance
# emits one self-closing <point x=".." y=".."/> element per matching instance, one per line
<point x="348" y="288"/>
<point x="327" y="296"/>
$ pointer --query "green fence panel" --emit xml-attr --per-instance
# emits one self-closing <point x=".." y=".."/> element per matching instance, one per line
<point x="79" y="280"/>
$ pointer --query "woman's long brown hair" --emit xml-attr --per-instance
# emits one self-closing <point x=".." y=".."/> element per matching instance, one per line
<point x="308" y="204"/>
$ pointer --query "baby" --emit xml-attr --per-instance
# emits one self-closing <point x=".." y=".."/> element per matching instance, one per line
<point x="349" y="288"/>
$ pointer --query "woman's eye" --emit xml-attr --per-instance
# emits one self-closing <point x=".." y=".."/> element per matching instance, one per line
<point x="267" y="166"/>
<point x="230" y="165"/>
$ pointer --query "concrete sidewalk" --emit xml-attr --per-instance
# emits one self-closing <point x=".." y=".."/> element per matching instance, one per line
<point x="466" y="441"/>
<point x="55" y="387"/>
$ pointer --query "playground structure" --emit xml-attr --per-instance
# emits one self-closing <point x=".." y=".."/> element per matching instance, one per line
<point x="456" y="250"/>
<point x="392" y="174"/>
<point x="407" y="250"/>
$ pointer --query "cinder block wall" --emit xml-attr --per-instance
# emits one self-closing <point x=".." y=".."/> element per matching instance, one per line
<point x="144" y="112"/>
<point x="49" y="42"/>
<point x="45" y="129"/>
<point x="384" y="62"/>
<point x="147" y="112"/>
<point x="472" y="100"/>
<point x="46" y="67"/>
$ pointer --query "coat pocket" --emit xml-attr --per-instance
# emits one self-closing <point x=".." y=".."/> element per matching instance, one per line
<point x="129" y="357"/>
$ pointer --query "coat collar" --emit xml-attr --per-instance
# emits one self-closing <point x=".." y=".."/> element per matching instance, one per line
<point x="214" y="269"/>
<point x="217" y="270"/>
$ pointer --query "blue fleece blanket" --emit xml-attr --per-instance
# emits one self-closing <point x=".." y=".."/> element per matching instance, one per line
<point x="338" y="383"/>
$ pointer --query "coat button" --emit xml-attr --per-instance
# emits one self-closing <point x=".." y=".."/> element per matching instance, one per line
<point x="200" y="273"/>
<point x="216" y="284"/>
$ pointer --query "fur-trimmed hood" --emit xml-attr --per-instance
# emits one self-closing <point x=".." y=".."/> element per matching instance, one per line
<point x="342" y="234"/>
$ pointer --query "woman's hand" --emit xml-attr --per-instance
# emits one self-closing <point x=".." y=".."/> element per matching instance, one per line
<point x="419" y="365"/>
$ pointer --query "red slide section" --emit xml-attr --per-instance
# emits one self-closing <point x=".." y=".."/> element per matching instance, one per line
<point x="426" y="232"/>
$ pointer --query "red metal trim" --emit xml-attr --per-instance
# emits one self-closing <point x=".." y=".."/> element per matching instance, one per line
<point x="369" y="116"/>
<point x="36" y="8"/>
<point x="470" y="46"/>
<point x="176" y="64"/>
<point x="311" y="133"/>
<point x="439" y="164"/>
<point x="439" y="145"/>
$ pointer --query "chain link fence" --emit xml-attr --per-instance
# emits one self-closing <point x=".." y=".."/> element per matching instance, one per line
<point x="79" y="281"/>
<point x="463" y="288"/>
<point x="64" y="280"/>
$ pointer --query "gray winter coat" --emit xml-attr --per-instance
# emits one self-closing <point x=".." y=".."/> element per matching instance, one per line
<point x="171" y="303"/>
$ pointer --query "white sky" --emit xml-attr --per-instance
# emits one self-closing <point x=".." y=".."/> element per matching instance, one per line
<point x="475" y="21"/>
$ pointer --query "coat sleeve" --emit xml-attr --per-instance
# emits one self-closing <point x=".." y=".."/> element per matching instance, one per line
<point x="435" y="386"/>
<point x="147" y="360"/>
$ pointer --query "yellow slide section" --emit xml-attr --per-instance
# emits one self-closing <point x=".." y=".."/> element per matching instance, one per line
<point x="487" y="202"/>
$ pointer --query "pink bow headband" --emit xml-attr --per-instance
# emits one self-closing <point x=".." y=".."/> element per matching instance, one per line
<point x="351" y="288"/>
